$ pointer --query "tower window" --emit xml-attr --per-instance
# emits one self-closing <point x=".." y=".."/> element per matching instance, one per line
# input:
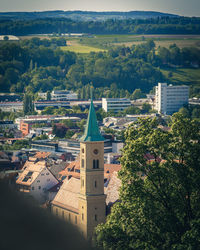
<point x="95" y="217"/>
<point x="82" y="216"/>
<point x="69" y="217"/>
<point x="95" y="163"/>
<point x="82" y="182"/>
<point x="95" y="151"/>
<point x="95" y="184"/>
<point x="82" y="163"/>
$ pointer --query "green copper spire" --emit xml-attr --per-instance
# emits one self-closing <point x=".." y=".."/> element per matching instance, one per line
<point x="91" y="130"/>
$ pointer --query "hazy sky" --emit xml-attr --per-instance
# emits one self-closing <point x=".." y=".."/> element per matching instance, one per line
<point x="181" y="7"/>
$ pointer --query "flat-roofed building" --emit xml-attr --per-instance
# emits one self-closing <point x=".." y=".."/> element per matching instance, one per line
<point x="115" y="104"/>
<point x="170" y="99"/>
<point x="11" y="106"/>
<point x="62" y="95"/>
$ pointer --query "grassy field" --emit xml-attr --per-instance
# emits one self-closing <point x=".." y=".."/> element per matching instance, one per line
<point x="78" y="48"/>
<point x="106" y="41"/>
<point x="183" y="75"/>
<point x="103" y="42"/>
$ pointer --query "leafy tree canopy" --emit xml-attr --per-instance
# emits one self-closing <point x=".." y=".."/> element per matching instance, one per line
<point x="159" y="204"/>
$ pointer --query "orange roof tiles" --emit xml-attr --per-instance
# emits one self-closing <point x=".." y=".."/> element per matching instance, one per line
<point x="75" y="165"/>
<point x="42" y="155"/>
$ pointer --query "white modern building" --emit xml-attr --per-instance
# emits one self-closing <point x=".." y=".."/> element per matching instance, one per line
<point x="170" y="99"/>
<point x="11" y="106"/>
<point x="63" y="95"/>
<point x="115" y="104"/>
<point x="59" y="95"/>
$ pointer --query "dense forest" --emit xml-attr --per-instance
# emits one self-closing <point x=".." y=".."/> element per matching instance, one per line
<point x="40" y="65"/>
<point x="159" y="25"/>
<point x="83" y="15"/>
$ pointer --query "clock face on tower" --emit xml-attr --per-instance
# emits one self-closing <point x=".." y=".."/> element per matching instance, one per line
<point x="95" y="151"/>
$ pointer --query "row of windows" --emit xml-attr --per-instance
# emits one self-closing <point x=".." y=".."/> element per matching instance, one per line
<point x="95" y="164"/>
<point x="82" y="183"/>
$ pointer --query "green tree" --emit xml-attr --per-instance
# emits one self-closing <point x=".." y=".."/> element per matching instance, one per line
<point x="146" y="107"/>
<point x="184" y="111"/>
<point x="48" y="95"/>
<point x="28" y="106"/>
<point x="137" y="93"/>
<point x="159" y="198"/>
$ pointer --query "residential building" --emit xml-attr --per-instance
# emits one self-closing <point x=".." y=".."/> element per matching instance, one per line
<point x="59" y="95"/>
<point x="36" y="179"/>
<point x="62" y="95"/>
<point x="7" y="124"/>
<point x="115" y="104"/>
<point x="25" y="123"/>
<point x="82" y="201"/>
<point x="170" y="99"/>
<point x="11" y="106"/>
<point x="40" y="105"/>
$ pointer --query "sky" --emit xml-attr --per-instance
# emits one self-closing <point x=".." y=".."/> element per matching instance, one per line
<point x="180" y="7"/>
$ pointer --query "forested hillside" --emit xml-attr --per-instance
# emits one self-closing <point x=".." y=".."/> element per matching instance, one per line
<point x="83" y="15"/>
<point x="40" y="65"/>
<point x="159" y="25"/>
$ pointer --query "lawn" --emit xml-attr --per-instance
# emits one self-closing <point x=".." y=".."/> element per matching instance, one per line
<point x="183" y="75"/>
<point x="78" y="48"/>
<point x="106" y="41"/>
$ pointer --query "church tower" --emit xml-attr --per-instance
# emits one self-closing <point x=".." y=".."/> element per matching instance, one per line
<point x="92" y="198"/>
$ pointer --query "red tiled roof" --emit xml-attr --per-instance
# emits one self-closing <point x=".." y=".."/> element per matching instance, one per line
<point x="108" y="170"/>
<point x="43" y="155"/>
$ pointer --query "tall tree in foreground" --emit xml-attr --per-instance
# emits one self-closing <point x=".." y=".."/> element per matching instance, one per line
<point x="159" y="204"/>
<point x="28" y="106"/>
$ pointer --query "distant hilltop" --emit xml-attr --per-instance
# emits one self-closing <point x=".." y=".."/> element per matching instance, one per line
<point x="84" y="15"/>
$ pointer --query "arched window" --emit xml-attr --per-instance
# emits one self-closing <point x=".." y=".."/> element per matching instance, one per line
<point x="95" y="163"/>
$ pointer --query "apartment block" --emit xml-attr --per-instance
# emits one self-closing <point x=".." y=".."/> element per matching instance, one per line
<point x="115" y="104"/>
<point x="169" y="98"/>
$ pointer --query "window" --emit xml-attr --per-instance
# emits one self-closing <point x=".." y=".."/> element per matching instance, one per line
<point x="95" y="163"/>
<point x="95" y="184"/>
<point x="82" y="216"/>
<point x="47" y="173"/>
<point x="39" y="187"/>
<point x="69" y="217"/>
<point x="82" y="163"/>
<point x="32" y="188"/>
<point x="38" y="181"/>
<point x="95" y="217"/>
<point x="82" y="183"/>
<point x="95" y="151"/>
